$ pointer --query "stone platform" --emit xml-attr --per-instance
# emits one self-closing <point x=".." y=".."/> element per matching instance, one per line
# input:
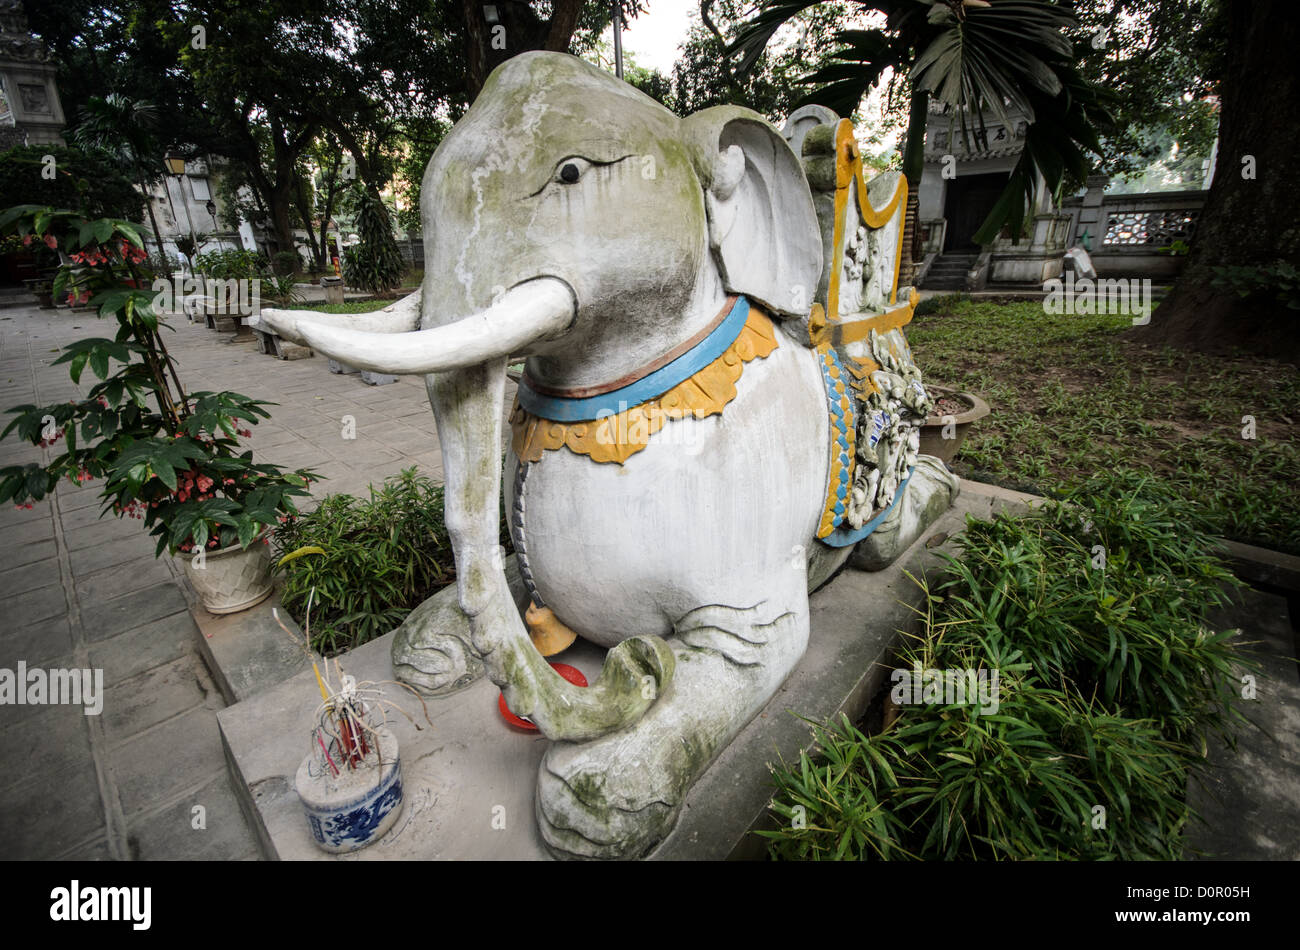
<point x="469" y="780"/>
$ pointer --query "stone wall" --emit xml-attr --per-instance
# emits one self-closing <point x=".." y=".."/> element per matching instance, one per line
<point x="1124" y="233"/>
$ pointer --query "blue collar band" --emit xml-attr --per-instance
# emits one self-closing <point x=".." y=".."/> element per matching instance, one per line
<point x="564" y="409"/>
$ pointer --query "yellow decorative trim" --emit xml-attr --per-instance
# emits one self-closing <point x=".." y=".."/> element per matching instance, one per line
<point x="618" y="437"/>
<point x="848" y="170"/>
<point x="851" y="331"/>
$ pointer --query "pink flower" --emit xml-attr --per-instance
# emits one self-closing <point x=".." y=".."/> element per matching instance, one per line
<point x="50" y="241"/>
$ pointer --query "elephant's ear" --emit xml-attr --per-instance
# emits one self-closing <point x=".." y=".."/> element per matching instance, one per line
<point x="762" y="226"/>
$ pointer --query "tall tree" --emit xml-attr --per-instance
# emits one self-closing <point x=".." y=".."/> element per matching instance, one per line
<point x="1249" y="225"/>
<point x="319" y="190"/>
<point x="127" y="131"/>
<point x="707" y="75"/>
<point x="375" y="263"/>
<point x="559" y="26"/>
<point x="278" y="66"/>
<point x="1157" y="61"/>
<point x="976" y="58"/>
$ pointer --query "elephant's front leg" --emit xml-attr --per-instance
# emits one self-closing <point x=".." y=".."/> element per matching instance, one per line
<point x="619" y="796"/>
<point x="468" y="407"/>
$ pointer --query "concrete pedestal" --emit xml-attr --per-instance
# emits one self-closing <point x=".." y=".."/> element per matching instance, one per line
<point x="470" y="779"/>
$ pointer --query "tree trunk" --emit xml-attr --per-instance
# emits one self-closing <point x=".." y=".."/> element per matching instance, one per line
<point x="1251" y="216"/>
<point x="488" y="46"/>
<point x="322" y="258"/>
<point x="913" y="166"/>
<point x="153" y="221"/>
<point x="304" y="204"/>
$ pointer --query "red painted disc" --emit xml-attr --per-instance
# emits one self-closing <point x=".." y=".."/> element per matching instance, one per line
<point x="572" y="674"/>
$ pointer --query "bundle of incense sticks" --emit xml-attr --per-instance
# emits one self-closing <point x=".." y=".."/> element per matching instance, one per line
<point x="345" y="733"/>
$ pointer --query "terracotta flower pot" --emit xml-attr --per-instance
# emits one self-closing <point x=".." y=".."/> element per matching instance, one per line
<point x="932" y="431"/>
<point x="231" y="579"/>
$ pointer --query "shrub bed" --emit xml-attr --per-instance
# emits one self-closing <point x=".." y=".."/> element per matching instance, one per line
<point x="380" y="558"/>
<point x="1109" y="689"/>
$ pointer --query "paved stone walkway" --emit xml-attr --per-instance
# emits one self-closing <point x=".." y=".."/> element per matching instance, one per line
<point x="80" y="592"/>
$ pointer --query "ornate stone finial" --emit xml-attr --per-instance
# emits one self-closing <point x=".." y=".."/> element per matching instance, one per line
<point x="16" y="40"/>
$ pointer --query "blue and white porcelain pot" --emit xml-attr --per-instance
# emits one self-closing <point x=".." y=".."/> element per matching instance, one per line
<point x="357" y="807"/>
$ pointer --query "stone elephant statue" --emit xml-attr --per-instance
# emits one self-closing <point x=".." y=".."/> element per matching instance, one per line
<point x="718" y="408"/>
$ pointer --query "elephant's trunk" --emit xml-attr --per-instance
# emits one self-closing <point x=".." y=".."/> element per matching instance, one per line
<point x="465" y="363"/>
<point x="468" y="406"/>
<point x="531" y="311"/>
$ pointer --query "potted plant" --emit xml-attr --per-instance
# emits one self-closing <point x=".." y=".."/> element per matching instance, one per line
<point x="169" y="458"/>
<point x="946" y="426"/>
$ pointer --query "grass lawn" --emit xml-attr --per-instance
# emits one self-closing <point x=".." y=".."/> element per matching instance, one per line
<point x="348" y="306"/>
<point x="1072" y="396"/>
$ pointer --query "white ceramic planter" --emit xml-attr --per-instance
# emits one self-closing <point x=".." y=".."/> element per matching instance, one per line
<point x="355" y="808"/>
<point x="231" y="579"/>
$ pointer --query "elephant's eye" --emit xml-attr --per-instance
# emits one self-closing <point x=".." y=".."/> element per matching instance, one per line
<point x="570" y="169"/>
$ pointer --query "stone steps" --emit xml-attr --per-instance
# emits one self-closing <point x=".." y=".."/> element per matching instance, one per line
<point x="948" y="272"/>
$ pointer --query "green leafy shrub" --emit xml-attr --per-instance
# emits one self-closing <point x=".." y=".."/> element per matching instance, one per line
<point x="281" y="289"/>
<point x="286" y="262"/>
<point x="230" y="264"/>
<point x="375" y="264"/>
<point x="1109" y="688"/>
<point x="383" y="557"/>
<point x="1280" y="280"/>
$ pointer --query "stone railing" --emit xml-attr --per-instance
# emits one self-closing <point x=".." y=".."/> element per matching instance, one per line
<point x="412" y="251"/>
<point x="1125" y="233"/>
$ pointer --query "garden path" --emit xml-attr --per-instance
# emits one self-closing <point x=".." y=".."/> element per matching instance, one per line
<point x="79" y="592"/>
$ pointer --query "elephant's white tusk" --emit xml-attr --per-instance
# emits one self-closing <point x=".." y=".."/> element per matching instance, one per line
<point x="401" y="316"/>
<point x="531" y="311"/>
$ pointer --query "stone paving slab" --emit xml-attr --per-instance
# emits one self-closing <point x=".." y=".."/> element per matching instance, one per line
<point x="1250" y="798"/>
<point x="217" y="833"/>
<point x="78" y="591"/>
<point x="51" y="812"/>
<point x="189" y="746"/>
